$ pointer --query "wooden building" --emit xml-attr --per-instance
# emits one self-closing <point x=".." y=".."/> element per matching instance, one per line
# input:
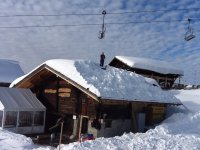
<point x="163" y="72"/>
<point x="67" y="90"/>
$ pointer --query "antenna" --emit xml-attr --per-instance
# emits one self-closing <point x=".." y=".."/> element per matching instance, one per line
<point x="103" y="29"/>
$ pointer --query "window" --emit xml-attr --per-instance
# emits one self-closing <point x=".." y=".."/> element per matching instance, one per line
<point x="50" y="91"/>
<point x="39" y="118"/>
<point x="64" y="92"/>
<point x="11" y="119"/>
<point x="25" y="118"/>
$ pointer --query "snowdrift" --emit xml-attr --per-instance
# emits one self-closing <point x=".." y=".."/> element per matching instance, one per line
<point x="181" y="131"/>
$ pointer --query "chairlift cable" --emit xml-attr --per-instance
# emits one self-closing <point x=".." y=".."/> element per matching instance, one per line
<point x="152" y="11"/>
<point x="95" y="24"/>
<point x="98" y="14"/>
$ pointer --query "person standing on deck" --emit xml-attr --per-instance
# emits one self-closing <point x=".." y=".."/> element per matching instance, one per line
<point x="102" y="58"/>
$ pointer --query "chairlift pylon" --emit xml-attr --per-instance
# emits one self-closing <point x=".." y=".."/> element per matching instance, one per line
<point x="189" y="34"/>
<point x="103" y="28"/>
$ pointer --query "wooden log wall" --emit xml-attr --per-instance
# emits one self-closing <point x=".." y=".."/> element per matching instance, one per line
<point x="64" y="98"/>
<point x="92" y="108"/>
<point x="67" y="95"/>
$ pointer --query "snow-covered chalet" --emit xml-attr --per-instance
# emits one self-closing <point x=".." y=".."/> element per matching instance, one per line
<point x="164" y="73"/>
<point x="103" y="102"/>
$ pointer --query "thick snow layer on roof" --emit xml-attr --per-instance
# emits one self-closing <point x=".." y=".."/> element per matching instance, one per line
<point x="19" y="99"/>
<point x="9" y="70"/>
<point x="152" y="81"/>
<point x="111" y="83"/>
<point x="150" y="64"/>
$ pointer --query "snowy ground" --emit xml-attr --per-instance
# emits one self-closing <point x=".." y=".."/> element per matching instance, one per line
<point x="180" y="131"/>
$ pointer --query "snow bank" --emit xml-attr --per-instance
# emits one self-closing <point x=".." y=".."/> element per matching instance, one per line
<point x="150" y="64"/>
<point x="181" y="131"/>
<point x="13" y="141"/>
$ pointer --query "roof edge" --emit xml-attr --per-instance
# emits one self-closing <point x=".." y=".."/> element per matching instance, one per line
<point x="138" y="100"/>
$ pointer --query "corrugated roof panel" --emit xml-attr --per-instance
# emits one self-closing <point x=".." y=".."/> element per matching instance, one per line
<point x="19" y="99"/>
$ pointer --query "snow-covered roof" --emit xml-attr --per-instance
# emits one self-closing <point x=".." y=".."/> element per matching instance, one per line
<point x="19" y="100"/>
<point x="111" y="83"/>
<point x="150" y="64"/>
<point x="9" y="70"/>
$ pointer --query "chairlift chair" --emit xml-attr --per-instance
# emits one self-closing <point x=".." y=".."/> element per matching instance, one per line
<point x="103" y="30"/>
<point x="189" y="34"/>
<point x="101" y="35"/>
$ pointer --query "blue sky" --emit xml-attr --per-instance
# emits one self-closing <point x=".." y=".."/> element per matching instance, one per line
<point x="163" y="41"/>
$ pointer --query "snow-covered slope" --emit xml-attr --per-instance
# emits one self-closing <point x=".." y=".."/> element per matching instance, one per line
<point x="109" y="83"/>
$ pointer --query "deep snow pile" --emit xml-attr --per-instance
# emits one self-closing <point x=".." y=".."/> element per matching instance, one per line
<point x="117" y="83"/>
<point x="12" y="141"/>
<point x="181" y="131"/>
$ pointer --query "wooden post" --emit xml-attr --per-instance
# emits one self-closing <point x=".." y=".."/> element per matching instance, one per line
<point x="60" y="134"/>
<point x="3" y="119"/>
<point x="80" y="126"/>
